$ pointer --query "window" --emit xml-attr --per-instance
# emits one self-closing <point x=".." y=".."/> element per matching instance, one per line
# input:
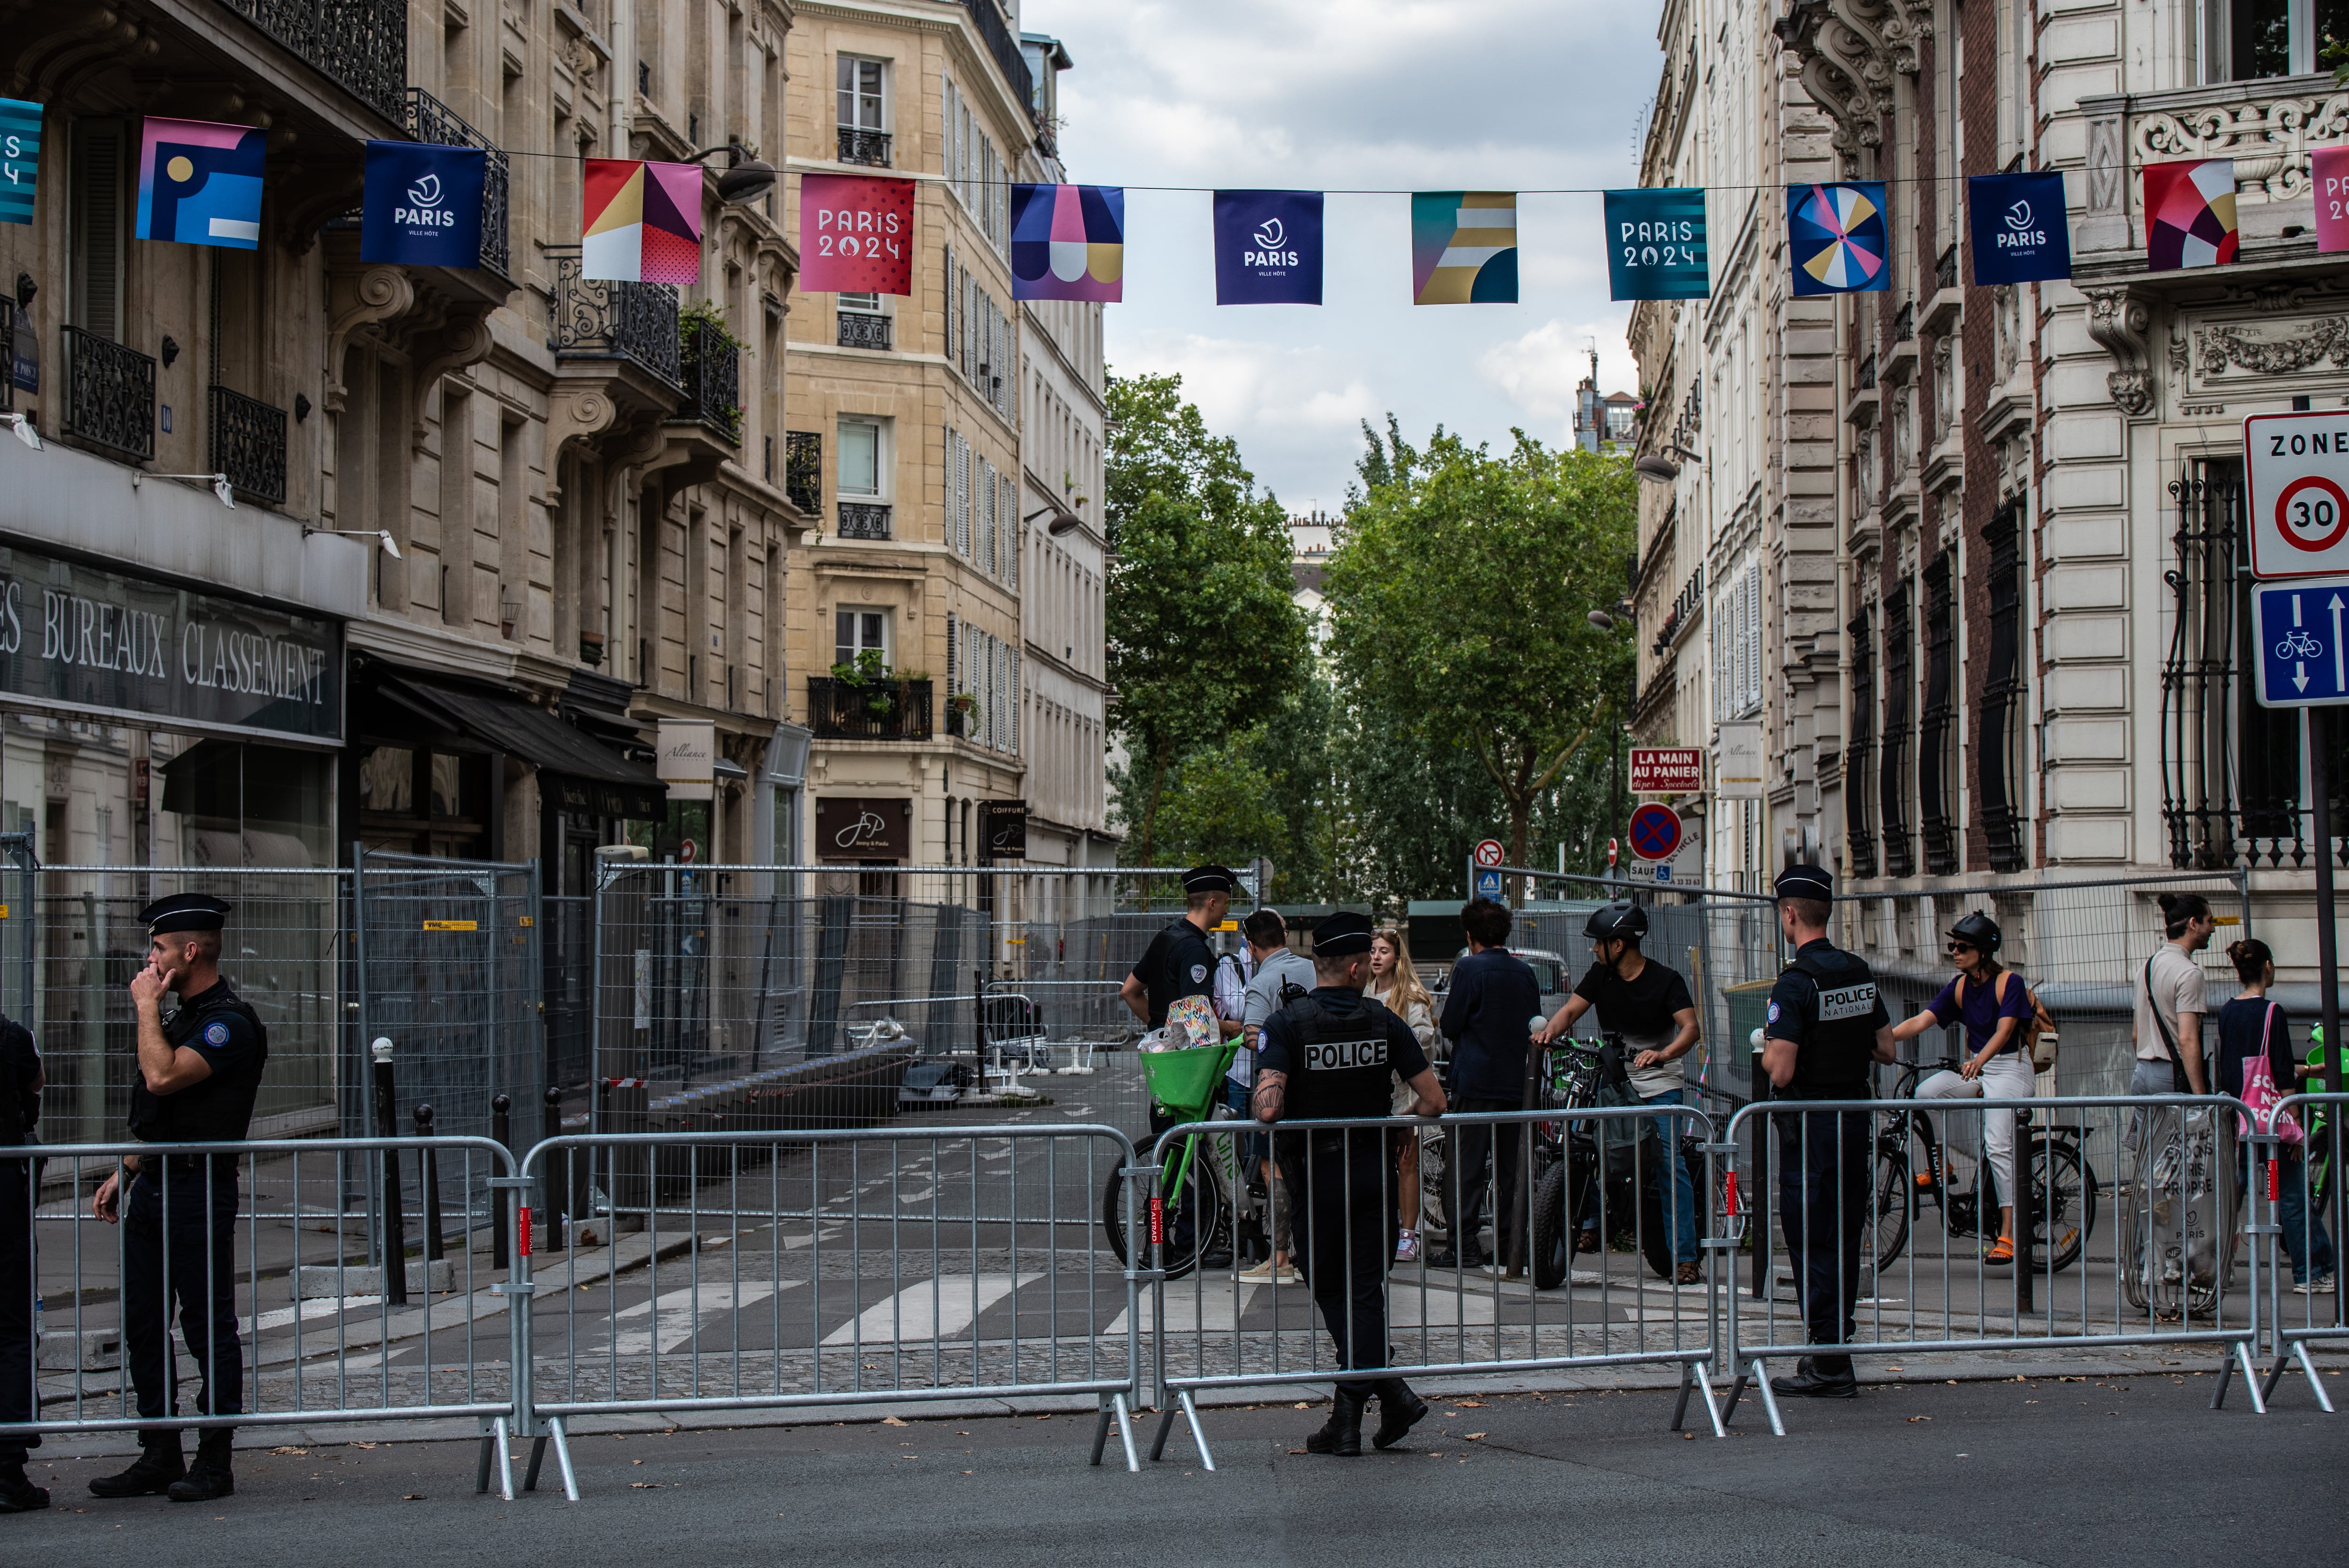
<point x="2254" y="39"/>
<point x="1859" y="756"/>
<point x="862" y="304"/>
<point x="863" y="103"/>
<point x="860" y="458"/>
<point x="95" y="215"/>
<point x="1935" y="796"/>
<point x="856" y="631"/>
<point x="1894" y="778"/>
<point x="2000" y="748"/>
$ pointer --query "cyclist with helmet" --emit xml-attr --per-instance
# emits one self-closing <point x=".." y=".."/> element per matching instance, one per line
<point x="1649" y="1005"/>
<point x="1992" y="1002"/>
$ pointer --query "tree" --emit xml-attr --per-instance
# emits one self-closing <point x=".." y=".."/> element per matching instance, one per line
<point x="1459" y="598"/>
<point x="1204" y="640"/>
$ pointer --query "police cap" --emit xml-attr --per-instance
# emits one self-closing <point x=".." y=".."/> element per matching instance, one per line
<point x="1209" y="879"/>
<point x="1804" y="881"/>
<point x="1342" y="934"/>
<point x="184" y="912"/>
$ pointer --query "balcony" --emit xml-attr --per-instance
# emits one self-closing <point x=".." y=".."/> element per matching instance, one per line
<point x="1945" y="270"/>
<point x="860" y="330"/>
<point x="598" y="319"/>
<point x="988" y="18"/>
<point x="1904" y="323"/>
<point x="360" y="45"/>
<point x="870" y="147"/>
<point x="711" y="365"/>
<point x="803" y="472"/>
<point x="864" y="519"/>
<point x="1867" y="381"/>
<point x="7" y="355"/>
<point x="428" y="119"/>
<point x="248" y="444"/>
<point x="884" y="709"/>
<point x="109" y="394"/>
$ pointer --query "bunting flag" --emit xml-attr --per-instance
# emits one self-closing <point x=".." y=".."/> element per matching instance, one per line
<point x="2020" y="235"/>
<point x="1464" y="247"/>
<point x="2328" y="180"/>
<point x="1837" y="234"/>
<point x="20" y="158"/>
<point x="1655" y="245"/>
<point x="2189" y="215"/>
<point x="857" y="235"/>
<point x="642" y="222"/>
<point x="1067" y="241"/>
<point x="199" y="183"/>
<point x="423" y="204"/>
<point x="1268" y="247"/>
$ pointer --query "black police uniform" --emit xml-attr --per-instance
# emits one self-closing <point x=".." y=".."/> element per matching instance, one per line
<point x="1179" y="962"/>
<point x="1827" y="1003"/>
<point x="20" y="1109"/>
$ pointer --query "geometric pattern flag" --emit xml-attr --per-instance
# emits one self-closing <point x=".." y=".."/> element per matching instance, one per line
<point x="20" y="158"/>
<point x="1268" y="247"/>
<point x="1067" y="241"/>
<point x="2189" y="215"/>
<point x="199" y="183"/>
<point x="2328" y="175"/>
<point x="1836" y="234"/>
<point x="642" y="222"/>
<point x="2020" y="235"/>
<point x="1655" y="244"/>
<point x="1464" y="247"/>
<point x="423" y="204"/>
<point x="857" y="235"/>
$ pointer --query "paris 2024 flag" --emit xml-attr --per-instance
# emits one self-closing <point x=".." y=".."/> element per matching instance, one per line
<point x="1067" y="241"/>
<point x="1837" y="234"/>
<point x="199" y="183"/>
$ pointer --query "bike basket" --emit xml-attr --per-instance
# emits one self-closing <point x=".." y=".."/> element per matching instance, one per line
<point x="1184" y="1081"/>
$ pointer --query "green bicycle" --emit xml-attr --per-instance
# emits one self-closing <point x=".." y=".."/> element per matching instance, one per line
<point x="1195" y="1190"/>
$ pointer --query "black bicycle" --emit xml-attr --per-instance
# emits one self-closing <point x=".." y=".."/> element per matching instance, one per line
<point x="1599" y="1167"/>
<point x="2062" y="1208"/>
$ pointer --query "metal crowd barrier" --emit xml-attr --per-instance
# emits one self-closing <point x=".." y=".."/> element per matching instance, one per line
<point x="2160" y="1271"/>
<point x="1544" y="1304"/>
<point x="2301" y="1182"/>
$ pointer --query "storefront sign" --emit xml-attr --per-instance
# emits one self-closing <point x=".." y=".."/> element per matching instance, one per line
<point x="84" y="640"/>
<point x="688" y="758"/>
<point x="1738" y="776"/>
<point x="1003" y="829"/>
<point x="1667" y="769"/>
<point x="860" y="828"/>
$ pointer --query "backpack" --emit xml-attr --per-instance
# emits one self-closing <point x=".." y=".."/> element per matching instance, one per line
<point x="2037" y="1031"/>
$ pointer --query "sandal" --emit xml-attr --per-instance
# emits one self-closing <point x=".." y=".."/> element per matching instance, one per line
<point x="2000" y="1251"/>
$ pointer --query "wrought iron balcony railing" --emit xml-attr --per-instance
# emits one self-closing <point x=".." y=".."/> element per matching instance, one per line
<point x="360" y="43"/>
<point x="711" y="365"/>
<point x="860" y="330"/>
<point x="109" y="394"/>
<point x="429" y="120"/>
<point x="7" y="355"/>
<point x="248" y="444"/>
<point x="1904" y="323"/>
<point x="596" y="318"/>
<point x="864" y="519"/>
<point x="1945" y="270"/>
<point x="989" y="17"/>
<point x="866" y="147"/>
<point x="803" y="470"/>
<point x="882" y="710"/>
<point x="1867" y="374"/>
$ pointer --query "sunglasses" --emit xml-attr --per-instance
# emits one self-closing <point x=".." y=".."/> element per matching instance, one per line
<point x="1962" y="948"/>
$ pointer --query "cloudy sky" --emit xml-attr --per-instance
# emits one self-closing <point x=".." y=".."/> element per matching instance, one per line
<point x="1344" y="94"/>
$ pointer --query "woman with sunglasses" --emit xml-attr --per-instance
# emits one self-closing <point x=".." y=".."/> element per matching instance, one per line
<point x="1993" y="1004"/>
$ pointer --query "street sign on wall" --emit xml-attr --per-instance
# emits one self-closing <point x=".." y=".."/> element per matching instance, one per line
<point x="2297" y="466"/>
<point x="2299" y="627"/>
<point x="1667" y="769"/>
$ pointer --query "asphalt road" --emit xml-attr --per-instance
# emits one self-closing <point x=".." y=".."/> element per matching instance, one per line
<point x="2073" y="1472"/>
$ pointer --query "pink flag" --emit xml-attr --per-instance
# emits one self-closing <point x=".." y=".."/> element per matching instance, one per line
<point x="857" y="235"/>
<point x="2328" y="178"/>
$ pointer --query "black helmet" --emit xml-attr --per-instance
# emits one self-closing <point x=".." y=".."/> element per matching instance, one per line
<point x="1613" y="922"/>
<point x="1978" y="930"/>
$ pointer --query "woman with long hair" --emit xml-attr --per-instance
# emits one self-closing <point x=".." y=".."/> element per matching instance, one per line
<point x="2251" y="1025"/>
<point x="1395" y="984"/>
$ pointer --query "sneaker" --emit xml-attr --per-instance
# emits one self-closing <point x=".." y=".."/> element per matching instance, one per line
<point x="1407" y="1247"/>
<point x="2321" y="1286"/>
<point x="1260" y="1275"/>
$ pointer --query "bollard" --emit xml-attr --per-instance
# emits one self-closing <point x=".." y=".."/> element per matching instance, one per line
<point x="2027" y="1218"/>
<point x="501" y="1129"/>
<point x="557" y="1198"/>
<point x="432" y="1251"/>
<point x="395" y="1238"/>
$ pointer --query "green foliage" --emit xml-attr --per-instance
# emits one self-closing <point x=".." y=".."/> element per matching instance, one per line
<point x="1219" y="805"/>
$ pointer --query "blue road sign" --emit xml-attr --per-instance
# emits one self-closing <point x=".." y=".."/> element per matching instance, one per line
<point x="2299" y="625"/>
<point x="1488" y="885"/>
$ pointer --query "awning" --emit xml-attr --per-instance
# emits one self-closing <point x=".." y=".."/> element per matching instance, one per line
<point x="576" y="772"/>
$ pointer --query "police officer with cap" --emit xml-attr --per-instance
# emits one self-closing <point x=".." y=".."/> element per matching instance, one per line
<point x="198" y="1072"/>
<point x="1826" y="1026"/>
<point x="1327" y="1056"/>
<point x="1179" y="962"/>
<point x="20" y="1110"/>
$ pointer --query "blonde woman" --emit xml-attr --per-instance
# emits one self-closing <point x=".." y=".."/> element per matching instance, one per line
<point x="1395" y="984"/>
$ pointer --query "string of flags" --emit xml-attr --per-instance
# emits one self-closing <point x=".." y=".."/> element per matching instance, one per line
<point x="201" y="184"/>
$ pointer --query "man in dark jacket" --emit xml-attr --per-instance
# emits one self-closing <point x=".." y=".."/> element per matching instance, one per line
<point x="1489" y="1013"/>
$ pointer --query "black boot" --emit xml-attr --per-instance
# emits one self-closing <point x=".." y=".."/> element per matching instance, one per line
<point x="1342" y="1433"/>
<point x="209" y="1477"/>
<point x="1820" y="1378"/>
<point x="18" y="1495"/>
<point x="1399" y="1410"/>
<point x="159" y="1464"/>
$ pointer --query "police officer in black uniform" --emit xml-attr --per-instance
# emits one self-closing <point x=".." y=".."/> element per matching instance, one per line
<point x="1328" y="1054"/>
<point x="1179" y="962"/>
<point x="198" y="1075"/>
<point x="20" y="1110"/>
<point x="1826" y="1026"/>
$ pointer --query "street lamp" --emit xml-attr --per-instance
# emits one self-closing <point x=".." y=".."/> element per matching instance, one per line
<point x="746" y="179"/>
<point x="1604" y="619"/>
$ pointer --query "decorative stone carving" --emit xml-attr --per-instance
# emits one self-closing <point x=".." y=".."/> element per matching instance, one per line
<point x="2119" y="320"/>
<point x="2326" y="342"/>
<point x="381" y="294"/>
<point x="2269" y="138"/>
<point x="1851" y="50"/>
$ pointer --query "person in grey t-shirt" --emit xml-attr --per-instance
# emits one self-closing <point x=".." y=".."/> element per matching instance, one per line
<point x="1267" y="941"/>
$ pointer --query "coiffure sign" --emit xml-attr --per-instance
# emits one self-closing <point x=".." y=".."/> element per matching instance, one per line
<point x="84" y="640"/>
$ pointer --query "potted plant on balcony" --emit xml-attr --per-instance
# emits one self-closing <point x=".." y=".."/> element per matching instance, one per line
<point x="960" y="705"/>
<point x="702" y="329"/>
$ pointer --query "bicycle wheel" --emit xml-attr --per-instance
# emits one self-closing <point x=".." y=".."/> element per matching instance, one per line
<point x="1552" y="1250"/>
<point x="1434" y="1219"/>
<point x="2062" y="1203"/>
<point x="1196" y="1216"/>
<point x="1889" y="1200"/>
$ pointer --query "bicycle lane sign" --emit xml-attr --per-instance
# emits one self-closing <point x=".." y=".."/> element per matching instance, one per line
<point x="2300" y="627"/>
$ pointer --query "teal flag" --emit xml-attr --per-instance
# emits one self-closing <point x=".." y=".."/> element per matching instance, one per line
<point x="1655" y="244"/>
<point x="20" y="158"/>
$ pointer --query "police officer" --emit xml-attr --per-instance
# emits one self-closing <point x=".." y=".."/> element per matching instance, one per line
<point x="1327" y="1055"/>
<point x="198" y="1075"/>
<point x="20" y="1109"/>
<point x="1826" y="1025"/>
<point x="1179" y="962"/>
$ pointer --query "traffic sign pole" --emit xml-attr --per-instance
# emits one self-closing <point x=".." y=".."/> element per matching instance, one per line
<point x="2319" y="741"/>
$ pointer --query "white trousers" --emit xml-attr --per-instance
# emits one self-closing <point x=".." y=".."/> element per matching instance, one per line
<point x="2007" y="1077"/>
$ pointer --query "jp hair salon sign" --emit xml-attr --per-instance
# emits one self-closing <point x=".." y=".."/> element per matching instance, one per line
<point x="83" y="640"/>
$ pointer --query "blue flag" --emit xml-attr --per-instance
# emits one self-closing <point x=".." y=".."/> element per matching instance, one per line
<point x="1655" y="244"/>
<point x="20" y="158"/>
<point x="1268" y="247"/>
<point x="423" y="204"/>
<point x="2020" y="235"/>
<point x="1836" y="234"/>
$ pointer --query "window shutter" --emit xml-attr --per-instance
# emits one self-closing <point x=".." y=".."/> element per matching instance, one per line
<point x="954" y="314"/>
<point x="987" y="517"/>
<point x="962" y="492"/>
<point x="953" y="630"/>
<point x="96" y="209"/>
<point x="1016" y="701"/>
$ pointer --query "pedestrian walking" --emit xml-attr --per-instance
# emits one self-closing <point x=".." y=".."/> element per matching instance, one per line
<point x="2253" y="1028"/>
<point x="197" y="1076"/>
<point x="1488" y="1015"/>
<point x="1394" y="986"/>
<point x="1327" y="1056"/>
<point x="1276" y="974"/>
<point x="2169" y="1002"/>
<point x="20" y="1111"/>
<point x="1994" y="1006"/>
<point x="1827" y="1025"/>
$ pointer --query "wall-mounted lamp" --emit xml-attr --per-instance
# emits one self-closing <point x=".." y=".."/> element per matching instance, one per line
<point x="301" y="408"/>
<point x="1063" y="520"/>
<point x="221" y="487"/>
<point x="382" y="535"/>
<point x="746" y="177"/>
<point x="23" y="425"/>
<point x="26" y="289"/>
<point x="1604" y="619"/>
<point x="1660" y="465"/>
<point x="170" y="350"/>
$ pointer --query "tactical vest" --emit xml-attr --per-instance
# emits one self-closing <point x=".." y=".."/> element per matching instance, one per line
<point x="1840" y="1040"/>
<point x="219" y="1109"/>
<point x="1340" y="1066"/>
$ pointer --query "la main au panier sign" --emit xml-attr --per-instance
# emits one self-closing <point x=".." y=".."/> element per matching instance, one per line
<point x="1667" y="770"/>
<point x="84" y="640"/>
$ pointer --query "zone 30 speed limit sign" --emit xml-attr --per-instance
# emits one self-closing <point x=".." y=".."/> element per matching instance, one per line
<point x="2298" y="466"/>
